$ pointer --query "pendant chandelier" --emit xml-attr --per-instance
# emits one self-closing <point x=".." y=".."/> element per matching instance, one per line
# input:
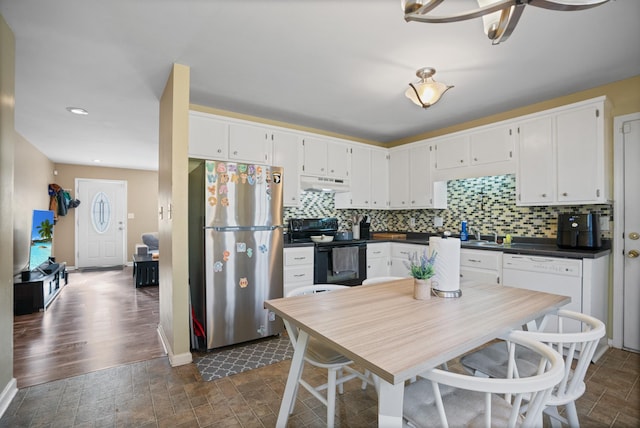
<point x="499" y="17"/>
<point x="427" y="91"/>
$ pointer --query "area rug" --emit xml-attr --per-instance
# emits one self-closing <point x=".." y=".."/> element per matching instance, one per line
<point x="218" y="364"/>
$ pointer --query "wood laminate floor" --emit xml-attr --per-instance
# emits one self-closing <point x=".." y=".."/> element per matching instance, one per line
<point x="98" y="320"/>
<point x="87" y="377"/>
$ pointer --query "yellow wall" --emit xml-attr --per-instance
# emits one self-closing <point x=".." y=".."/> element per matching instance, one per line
<point x="8" y="386"/>
<point x="33" y="172"/>
<point x="173" y="189"/>
<point x="142" y="202"/>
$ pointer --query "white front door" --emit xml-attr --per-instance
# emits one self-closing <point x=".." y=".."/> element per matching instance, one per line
<point x="631" y="320"/>
<point x="101" y="223"/>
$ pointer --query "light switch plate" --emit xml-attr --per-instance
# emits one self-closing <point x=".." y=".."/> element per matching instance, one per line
<point x="604" y="223"/>
<point x="131" y="216"/>
<point x="437" y="221"/>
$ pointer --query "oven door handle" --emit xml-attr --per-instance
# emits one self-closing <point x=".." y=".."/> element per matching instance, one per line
<point x="327" y="248"/>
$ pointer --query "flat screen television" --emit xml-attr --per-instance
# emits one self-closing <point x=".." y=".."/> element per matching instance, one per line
<point x="41" y="239"/>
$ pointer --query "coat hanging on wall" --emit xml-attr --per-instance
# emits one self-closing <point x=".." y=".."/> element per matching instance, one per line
<point x="60" y="201"/>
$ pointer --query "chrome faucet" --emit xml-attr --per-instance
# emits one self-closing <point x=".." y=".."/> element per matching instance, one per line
<point x="477" y="234"/>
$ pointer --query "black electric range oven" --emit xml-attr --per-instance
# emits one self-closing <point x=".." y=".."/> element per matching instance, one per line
<point x="335" y="262"/>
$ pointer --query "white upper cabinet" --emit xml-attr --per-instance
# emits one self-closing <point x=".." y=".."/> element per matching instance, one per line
<point x="485" y="151"/>
<point x="452" y="152"/>
<point x="315" y="156"/>
<point x="325" y="158"/>
<point x="491" y="145"/>
<point x="249" y="143"/>
<point x="536" y="174"/>
<point x="287" y="153"/>
<point x="411" y="182"/>
<point x="360" y="183"/>
<point x="338" y="160"/>
<point x="208" y="137"/>
<point x="379" y="179"/>
<point x="564" y="158"/>
<point x="368" y="179"/>
<point x="581" y="156"/>
<point x="420" y="189"/>
<point x="399" y="179"/>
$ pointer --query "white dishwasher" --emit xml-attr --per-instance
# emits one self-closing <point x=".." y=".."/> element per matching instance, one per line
<point x="547" y="274"/>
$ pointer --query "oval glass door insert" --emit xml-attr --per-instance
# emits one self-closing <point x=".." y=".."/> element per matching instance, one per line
<point x="101" y="212"/>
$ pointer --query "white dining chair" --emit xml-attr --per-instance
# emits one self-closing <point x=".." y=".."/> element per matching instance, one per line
<point x="379" y="279"/>
<point x="320" y="355"/>
<point x="447" y="399"/>
<point x="493" y="360"/>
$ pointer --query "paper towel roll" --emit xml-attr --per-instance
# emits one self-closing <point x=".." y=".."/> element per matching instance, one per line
<point x="447" y="264"/>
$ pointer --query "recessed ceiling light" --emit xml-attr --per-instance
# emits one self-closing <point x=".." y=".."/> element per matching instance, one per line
<point x="77" y="110"/>
<point x="96" y="161"/>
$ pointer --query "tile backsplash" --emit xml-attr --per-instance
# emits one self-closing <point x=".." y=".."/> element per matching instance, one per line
<point x="487" y="203"/>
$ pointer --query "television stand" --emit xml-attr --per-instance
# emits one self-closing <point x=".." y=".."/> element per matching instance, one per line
<point x="38" y="291"/>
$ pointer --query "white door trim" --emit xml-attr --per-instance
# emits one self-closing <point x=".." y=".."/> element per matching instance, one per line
<point x="124" y="183"/>
<point x="618" y="227"/>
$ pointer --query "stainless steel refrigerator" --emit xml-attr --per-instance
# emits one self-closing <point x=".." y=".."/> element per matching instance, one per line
<point x="235" y="256"/>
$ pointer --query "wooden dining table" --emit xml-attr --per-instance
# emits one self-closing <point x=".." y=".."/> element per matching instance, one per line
<point x="382" y="328"/>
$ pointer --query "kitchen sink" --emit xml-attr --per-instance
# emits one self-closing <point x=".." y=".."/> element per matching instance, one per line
<point x="482" y="243"/>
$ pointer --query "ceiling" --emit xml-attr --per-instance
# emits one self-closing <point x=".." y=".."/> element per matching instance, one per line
<point x="334" y="65"/>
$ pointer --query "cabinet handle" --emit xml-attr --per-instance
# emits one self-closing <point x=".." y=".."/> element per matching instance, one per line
<point x="299" y="258"/>
<point x="235" y="153"/>
<point x="544" y="195"/>
<point x="475" y="159"/>
<point x="565" y="194"/>
<point x="219" y="150"/>
<point x="461" y="160"/>
<point x="475" y="261"/>
<point x="300" y="275"/>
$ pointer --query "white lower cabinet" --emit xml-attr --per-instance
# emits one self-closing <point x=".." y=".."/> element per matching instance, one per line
<point x="480" y="266"/>
<point x="378" y="259"/>
<point x="400" y="253"/>
<point x="298" y="268"/>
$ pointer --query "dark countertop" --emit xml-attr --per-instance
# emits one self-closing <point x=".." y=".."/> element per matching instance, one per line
<point x="520" y="245"/>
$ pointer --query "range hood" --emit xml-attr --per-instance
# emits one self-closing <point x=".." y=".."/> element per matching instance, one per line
<point x="323" y="184"/>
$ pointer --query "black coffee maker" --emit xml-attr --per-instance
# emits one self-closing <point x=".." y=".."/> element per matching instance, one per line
<point x="580" y="231"/>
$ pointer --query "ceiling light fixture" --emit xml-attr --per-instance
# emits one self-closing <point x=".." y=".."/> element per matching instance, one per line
<point x="499" y="17"/>
<point x="427" y="91"/>
<point x="77" y="110"/>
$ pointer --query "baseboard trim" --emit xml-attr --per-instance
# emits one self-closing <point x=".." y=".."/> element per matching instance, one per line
<point x="8" y="393"/>
<point x="174" y="359"/>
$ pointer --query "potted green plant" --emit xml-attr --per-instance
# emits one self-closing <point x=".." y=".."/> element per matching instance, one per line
<point x="422" y="268"/>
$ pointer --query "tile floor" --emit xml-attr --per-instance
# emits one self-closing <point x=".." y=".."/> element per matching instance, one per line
<point x="153" y="394"/>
